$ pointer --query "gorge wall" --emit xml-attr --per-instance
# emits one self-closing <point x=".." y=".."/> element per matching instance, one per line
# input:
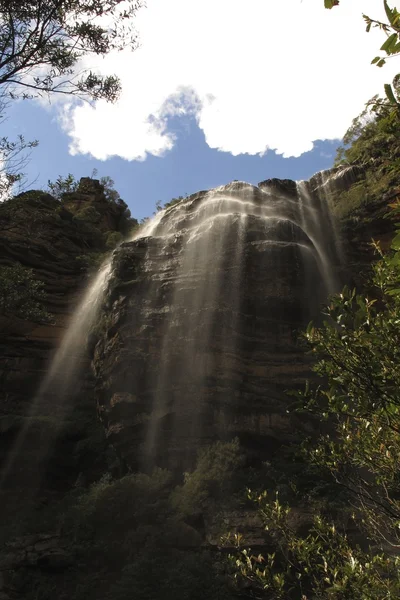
<point x="197" y="338"/>
<point x="47" y="438"/>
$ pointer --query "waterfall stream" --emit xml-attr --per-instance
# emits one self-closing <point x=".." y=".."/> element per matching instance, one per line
<point x="63" y="376"/>
<point x="197" y="312"/>
<point x="218" y="266"/>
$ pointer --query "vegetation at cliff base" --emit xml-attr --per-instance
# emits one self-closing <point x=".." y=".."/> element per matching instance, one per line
<point x="138" y="536"/>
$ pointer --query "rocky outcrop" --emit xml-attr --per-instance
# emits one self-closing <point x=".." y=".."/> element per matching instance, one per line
<point x="45" y="551"/>
<point x="198" y="339"/>
<point x="46" y="440"/>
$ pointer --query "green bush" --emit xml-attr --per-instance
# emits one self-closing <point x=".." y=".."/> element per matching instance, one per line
<point x="62" y="185"/>
<point x="121" y="514"/>
<point x="211" y="479"/>
<point x="21" y="294"/>
<point x="89" y="214"/>
<point x="113" y="239"/>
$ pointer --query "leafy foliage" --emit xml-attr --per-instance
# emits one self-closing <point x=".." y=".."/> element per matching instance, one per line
<point x="359" y="356"/>
<point x="139" y="528"/>
<point x="133" y="501"/>
<point x="62" y="185"/>
<point x="391" y="47"/>
<point x="110" y="192"/>
<point x="392" y="44"/>
<point x="174" y="201"/>
<point x="373" y="137"/>
<point x="21" y="294"/>
<point x="211" y="479"/>
<point x="88" y="214"/>
<point x="13" y="159"/>
<point x="69" y="184"/>
<point x="321" y="564"/>
<point x="42" y="44"/>
<point x="113" y="239"/>
<point x="180" y="575"/>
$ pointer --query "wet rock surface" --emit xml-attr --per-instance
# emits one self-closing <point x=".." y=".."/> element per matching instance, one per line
<point x="198" y="337"/>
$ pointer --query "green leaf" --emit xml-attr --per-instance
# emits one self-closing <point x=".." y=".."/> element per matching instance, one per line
<point x="381" y="62"/>
<point x="396" y="242"/>
<point x="390" y="43"/>
<point x="375" y="60"/>
<point x="390" y="95"/>
<point x="389" y="12"/>
<point x="331" y="3"/>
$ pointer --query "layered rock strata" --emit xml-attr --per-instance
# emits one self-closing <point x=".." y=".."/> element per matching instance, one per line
<point x="198" y="336"/>
<point x="44" y="433"/>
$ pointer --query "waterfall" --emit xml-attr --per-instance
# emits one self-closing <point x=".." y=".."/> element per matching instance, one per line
<point x="204" y="302"/>
<point x="65" y="371"/>
<point x="203" y="307"/>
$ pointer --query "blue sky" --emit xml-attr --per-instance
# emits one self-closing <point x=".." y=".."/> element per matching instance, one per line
<point x="218" y="90"/>
<point x="190" y="166"/>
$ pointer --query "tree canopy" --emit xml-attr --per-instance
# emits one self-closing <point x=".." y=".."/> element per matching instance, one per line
<point x="43" y="41"/>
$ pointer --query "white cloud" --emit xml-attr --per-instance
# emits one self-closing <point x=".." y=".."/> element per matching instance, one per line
<point x="257" y="74"/>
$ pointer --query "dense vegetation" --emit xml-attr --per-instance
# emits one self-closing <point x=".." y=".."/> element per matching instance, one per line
<point x="141" y="535"/>
<point x="42" y="49"/>
<point x="358" y="352"/>
<point x="134" y="536"/>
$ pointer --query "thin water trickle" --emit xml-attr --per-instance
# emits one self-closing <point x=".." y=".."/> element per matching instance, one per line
<point x="63" y="377"/>
<point x="314" y="215"/>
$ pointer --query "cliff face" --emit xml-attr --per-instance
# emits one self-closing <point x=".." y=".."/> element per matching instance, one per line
<point x="198" y="335"/>
<point x="46" y="440"/>
<point x="197" y="340"/>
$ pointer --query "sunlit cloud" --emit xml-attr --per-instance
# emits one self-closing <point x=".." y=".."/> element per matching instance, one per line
<point x="256" y="76"/>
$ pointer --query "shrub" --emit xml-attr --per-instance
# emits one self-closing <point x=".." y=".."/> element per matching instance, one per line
<point x="21" y="294"/>
<point x="89" y="214"/>
<point x="113" y="239"/>
<point x="119" y="514"/>
<point x="211" y="478"/>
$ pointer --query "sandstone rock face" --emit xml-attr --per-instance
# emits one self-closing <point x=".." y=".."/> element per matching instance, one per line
<point x="42" y="435"/>
<point x="198" y="336"/>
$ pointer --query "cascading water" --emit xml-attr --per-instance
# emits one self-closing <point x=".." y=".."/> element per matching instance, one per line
<point x="195" y="321"/>
<point x="203" y="315"/>
<point x="62" y="381"/>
